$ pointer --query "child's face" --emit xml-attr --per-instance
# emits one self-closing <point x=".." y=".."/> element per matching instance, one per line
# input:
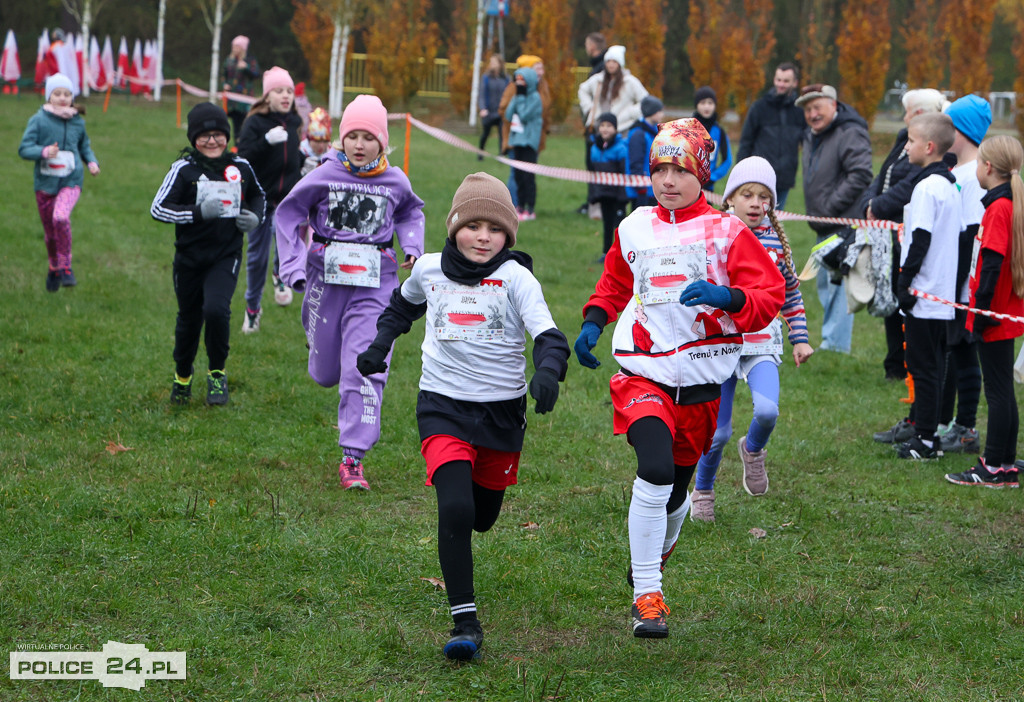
<point x="61" y="97"/>
<point x="918" y="151"/>
<point x="985" y="175"/>
<point x="706" y="108"/>
<point x="212" y="144"/>
<point x="281" y="99"/>
<point x="673" y="186"/>
<point x="480" y="241"/>
<point x="657" y="118"/>
<point x="750" y="202"/>
<point x="319" y="146"/>
<point x="607" y="130"/>
<point x="361" y="147"/>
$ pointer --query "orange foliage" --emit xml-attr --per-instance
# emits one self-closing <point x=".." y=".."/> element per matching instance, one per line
<point x="314" y="31"/>
<point x="549" y="38"/>
<point x="642" y="31"/>
<point x="969" y="28"/>
<point x="754" y="53"/>
<point x="816" y="49"/>
<point x="863" y="44"/>
<point x="708" y="26"/>
<point x="921" y="37"/>
<point x="401" y="46"/>
<point x="461" y="46"/>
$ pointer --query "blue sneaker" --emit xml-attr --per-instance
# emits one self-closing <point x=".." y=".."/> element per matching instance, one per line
<point x="465" y="642"/>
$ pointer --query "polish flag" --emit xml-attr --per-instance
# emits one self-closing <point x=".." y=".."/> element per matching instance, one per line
<point x="42" y="47"/>
<point x="136" y="69"/>
<point x="97" y="76"/>
<point x="79" y="59"/>
<point x="107" y="62"/>
<point x="122" y="63"/>
<point x="67" y="63"/>
<point x="10" y="66"/>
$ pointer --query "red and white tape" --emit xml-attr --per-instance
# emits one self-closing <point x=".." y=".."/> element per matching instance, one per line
<point x="960" y="306"/>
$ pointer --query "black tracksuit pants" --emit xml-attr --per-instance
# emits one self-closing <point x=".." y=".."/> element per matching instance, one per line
<point x="204" y="297"/>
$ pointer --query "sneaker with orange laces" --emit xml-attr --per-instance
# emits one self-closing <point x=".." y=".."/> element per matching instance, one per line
<point x="649" y="612"/>
<point x="351" y="473"/>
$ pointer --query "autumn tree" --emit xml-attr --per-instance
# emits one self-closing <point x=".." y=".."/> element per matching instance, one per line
<point x="549" y="37"/>
<point x="1013" y="11"/>
<point x="816" y="49"/>
<point x="460" y="55"/>
<point x="922" y="39"/>
<point x="708" y="23"/>
<point x="401" y="46"/>
<point x="863" y="44"/>
<point x="753" y="52"/>
<point x="642" y="31"/>
<point x="968" y="24"/>
<point x="312" y="28"/>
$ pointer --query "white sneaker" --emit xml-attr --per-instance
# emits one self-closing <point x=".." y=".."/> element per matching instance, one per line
<point x="282" y="293"/>
<point x="251" y="322"/>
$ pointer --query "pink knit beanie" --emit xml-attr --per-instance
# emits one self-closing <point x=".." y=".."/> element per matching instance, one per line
<point x="241" y="41"/>
<point x="366" y="112"/>
<point x="277" y="77"/>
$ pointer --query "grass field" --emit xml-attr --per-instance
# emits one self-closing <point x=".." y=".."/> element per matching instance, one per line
<point x="222" y="532"/>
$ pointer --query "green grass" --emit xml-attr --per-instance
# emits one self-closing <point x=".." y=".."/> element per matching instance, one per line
<point x="222" y="531"/>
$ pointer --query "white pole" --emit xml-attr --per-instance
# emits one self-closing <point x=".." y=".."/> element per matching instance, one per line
<point x="159" y="58"/>
<point x="477" y="53"/>
<point x="218" y="15"/>
<point x="332" y="92"/>
<point x="342" y="53"/>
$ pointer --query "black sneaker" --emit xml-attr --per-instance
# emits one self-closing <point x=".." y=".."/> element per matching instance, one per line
<point x="216" y="388"/>
<point x="649" y="612"/>
<point x="52" y="281"/>
<point x="664" y="557"/>
<point x="67" y="278"/>
<point x="981" y="475"/>
<point x="918" y="450"/>
<point x="902" y="431"/>
<point x="465" y="641"/>
<point x="181" y="392"/>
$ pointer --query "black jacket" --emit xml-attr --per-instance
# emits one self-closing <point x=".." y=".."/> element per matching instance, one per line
<point x="278" y="166"/>
<point x="199" y="242"/>
<point x="773" y="131"/>
<point x="901" y="173"/>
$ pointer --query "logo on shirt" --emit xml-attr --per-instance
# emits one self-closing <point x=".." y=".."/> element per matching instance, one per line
<point x="631" y="256"/>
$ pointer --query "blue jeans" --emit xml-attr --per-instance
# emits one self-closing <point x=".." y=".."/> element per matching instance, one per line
<point x="837" y="324"/>
<point x="783" y="194"/>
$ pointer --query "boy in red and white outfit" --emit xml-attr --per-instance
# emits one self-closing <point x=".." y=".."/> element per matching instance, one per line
<point x="695" y="279"/>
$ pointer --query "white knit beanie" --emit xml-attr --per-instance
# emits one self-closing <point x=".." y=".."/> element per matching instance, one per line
<point x="753" y="169"/>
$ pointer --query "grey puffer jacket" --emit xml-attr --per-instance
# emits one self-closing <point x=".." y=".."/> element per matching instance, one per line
<point x="836" y="168"/>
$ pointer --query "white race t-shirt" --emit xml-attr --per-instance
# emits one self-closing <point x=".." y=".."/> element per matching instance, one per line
<point x="972" y="210"/>
<point x="934" y="207"/>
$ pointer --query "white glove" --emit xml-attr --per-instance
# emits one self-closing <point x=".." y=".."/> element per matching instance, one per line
<point x="246" y="221"/>
<point x="276" y="135"/>
<point x="211" y="208"/>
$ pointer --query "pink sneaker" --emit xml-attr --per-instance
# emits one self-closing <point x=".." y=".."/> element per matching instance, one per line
<point x="755" y="479"/>
<point x="702" y="506"/>
<point x="351" y="473"/>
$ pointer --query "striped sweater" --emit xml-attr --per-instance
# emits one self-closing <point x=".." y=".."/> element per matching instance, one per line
<point x="793" y="308"/>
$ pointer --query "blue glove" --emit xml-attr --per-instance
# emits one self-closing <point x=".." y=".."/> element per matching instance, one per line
<point x="587" y="340"/>
<point x="701" y="292"/>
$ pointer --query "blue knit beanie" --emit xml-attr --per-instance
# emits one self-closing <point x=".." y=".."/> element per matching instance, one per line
<point x="972" y="116"/>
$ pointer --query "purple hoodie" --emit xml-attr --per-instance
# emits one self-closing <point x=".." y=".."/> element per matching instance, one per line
<point x="343" y="207"/>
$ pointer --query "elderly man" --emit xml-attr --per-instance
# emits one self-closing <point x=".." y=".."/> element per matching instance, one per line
<point x="836" y="170"/>
<point x="774" y="128"/>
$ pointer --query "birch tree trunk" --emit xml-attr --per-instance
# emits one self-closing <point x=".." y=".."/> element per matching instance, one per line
<point x="218" y="20"/>
<point x="86" y="21"/>
<point x="159" y="58"/>
<point x="340" y="70"/>
<point x="477" y="53"/>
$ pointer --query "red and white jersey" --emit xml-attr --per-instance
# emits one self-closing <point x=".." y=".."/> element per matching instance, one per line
<point x="656" y="254"/>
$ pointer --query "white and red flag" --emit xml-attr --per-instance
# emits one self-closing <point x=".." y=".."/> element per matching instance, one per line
<point x="10" y="65"/>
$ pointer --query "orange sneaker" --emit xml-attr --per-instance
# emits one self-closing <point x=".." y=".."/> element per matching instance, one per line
<point x="649" y="612"/>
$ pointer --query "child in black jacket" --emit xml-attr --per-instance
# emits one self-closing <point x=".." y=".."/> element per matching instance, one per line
<point x="212" y="198"/>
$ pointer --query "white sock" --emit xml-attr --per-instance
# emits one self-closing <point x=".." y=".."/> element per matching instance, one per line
<point x="647" y="526"/>
<point x="675" y="523"/>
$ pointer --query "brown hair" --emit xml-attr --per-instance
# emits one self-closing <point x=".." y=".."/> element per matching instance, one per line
<point x="935" y="127"/>
<point x="1006" y="157"/>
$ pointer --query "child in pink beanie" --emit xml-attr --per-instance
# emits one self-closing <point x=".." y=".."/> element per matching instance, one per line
<point x="270" y="142"/>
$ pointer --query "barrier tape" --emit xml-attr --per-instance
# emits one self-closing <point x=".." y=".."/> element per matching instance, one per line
<point x="190" y="89"/>
<point x="960" y="306"/>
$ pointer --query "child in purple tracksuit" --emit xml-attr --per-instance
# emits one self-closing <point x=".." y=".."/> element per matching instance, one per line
<point x="356" y="205"/>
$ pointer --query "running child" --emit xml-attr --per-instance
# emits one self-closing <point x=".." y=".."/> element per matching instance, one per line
<point x="350" y="270"/>
<point x="212" y="197"/>
<point x="688" y="281"/>
<point x="55" y="139"/>
<point x="270" y="141"/>
<point x="317" y="141"/>
<point x="750" y="192"/>
<point x="997" y="285"/>
<point x="480" y="298"/>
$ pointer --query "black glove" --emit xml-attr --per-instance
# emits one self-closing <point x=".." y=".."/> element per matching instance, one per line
<point x="905" y="299"/>
<point x="372" y="361"/>
<point x="544" y="389"/>
<point x="983" y="322"/>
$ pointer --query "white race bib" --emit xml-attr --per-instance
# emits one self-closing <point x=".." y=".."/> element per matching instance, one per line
<point x="470" y="312"/>
<point x="230" y="195"/>
<point x="663" y="273"/>
<point x="348" y="263"/>
<point x="516" y="125"/>
<point x="61" y="165"/>
<point x="767" y="342"/>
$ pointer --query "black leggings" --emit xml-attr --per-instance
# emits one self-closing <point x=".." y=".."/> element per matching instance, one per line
<point x="462" y="508"/>
<point x="490" y="122"/>
<point x="204" y="296"/>
<point x="963" y="380"/>
<point x="612" y="212"/>
<point x="526" y="183"/>
<point x="1003" y="423"/>
<point x="652" y="442"/>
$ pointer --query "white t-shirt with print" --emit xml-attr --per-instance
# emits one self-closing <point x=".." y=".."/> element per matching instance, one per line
<point x="934" y="207"/>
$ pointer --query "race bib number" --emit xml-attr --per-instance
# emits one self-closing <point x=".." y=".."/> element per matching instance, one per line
<point x="348" y="263"/>
<point x="470" y="313"/>
<point x="61" y="165"/>
<point x="230" y="195"/>
<point x="767" y="342"/>
<point x="663" y="273"/>
<point x="516" y="125"/>
<point x="975" y="252"/>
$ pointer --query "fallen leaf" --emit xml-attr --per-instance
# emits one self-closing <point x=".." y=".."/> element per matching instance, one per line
<point x="787" y="524"/>
<point x="758" y="533"/>
<point x="115" y="447"/>
<point x="530" y="525"/>
<point x="436" y="582"/>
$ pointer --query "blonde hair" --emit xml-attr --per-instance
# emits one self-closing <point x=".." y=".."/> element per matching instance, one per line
<point x="1006" y="157"/>
<point x="936" y="128"/>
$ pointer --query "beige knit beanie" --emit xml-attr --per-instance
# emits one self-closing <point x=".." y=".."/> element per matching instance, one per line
<point x="483" y="197"/>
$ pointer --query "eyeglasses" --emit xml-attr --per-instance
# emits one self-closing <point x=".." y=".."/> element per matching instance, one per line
<point x="214" y="137"/>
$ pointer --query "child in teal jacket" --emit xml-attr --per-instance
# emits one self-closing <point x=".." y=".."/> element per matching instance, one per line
<point x="525" y="115"/>
<point x="55" y="139"/>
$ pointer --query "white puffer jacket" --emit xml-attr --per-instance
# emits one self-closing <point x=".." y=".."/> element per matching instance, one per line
<point x="625" y="107"/>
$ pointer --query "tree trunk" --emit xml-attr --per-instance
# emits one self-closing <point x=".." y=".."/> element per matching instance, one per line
<point x="159" y="58"/>
<point x="333" y="100"/>
<point x="86" y="21"/>
<point x="477" y="54"/>
<point x="218" y="20"/>
<point x="340" y="71"/>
